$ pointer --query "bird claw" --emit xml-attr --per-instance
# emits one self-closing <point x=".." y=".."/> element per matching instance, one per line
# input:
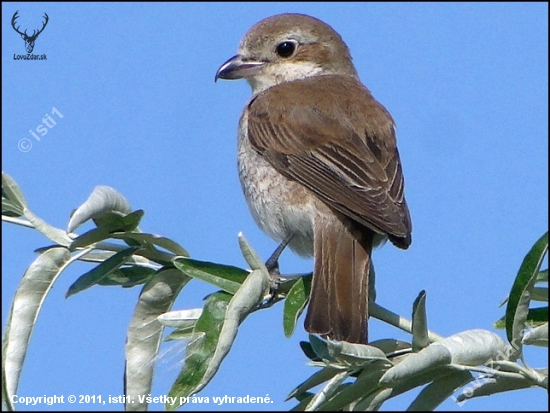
<point x="272" y="265"/>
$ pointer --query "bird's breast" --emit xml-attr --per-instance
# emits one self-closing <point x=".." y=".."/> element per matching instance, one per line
<point x="279" y="206"/>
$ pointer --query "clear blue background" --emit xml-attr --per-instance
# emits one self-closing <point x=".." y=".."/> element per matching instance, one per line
<point x="467" y="85"/>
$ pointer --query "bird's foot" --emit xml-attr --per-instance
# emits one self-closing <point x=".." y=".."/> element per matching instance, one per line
<point x="272" y="265"/>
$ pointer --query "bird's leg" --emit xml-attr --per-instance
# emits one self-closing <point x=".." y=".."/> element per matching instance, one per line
<point x="272" y="265"/>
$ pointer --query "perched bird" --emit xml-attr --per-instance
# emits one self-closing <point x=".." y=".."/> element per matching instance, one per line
<point x="318" y="163"/>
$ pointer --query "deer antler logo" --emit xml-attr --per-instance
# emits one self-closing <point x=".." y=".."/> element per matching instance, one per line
<point x="29" y="40"/>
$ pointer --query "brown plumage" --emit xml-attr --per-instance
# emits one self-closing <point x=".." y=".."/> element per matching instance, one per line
<point x="318" y="159"/>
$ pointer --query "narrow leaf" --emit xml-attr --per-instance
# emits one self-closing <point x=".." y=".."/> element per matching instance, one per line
<point x="249" y="296"/>
<point x="119" y="222"/>
<point x="103" y="270"/>
<point x="433" y="356"/>
<point x="365" y="385"/>
<point x="11" y="191"/>
<point x="251" y="256"/>
<point x="392" y="347"/>
<point x="320" y="347"/>
<point x="319" y="377"/>
<point x="128" y="277"/>
<point x="475" y="347"/>
<point x="486" y="386"/>
<point x="420" y="338"/>
<point x="31" y="293"/>
<point x="226" y="277"/>
<point x="200" y="351"/>
<point x="439" y="390"/>
<point x="103" y="199"/>
<point x="355" y="355"/>
<point x="145" y="334"/>
<point x="55" y="234"/>
<point x="328" y="390"/>
<point x="162" y="242"/>
<point x="180" y="318"/>
<point x="519" y="298"/>
<point x="295" y="302"/>
<point x="539" y="294"/>
<point x="307" y="348"/>
<point x="537" y="336"/>
<point x="90" y="237"/>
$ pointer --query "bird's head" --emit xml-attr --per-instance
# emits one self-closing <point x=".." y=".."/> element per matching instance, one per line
<point x="287" y="47"/>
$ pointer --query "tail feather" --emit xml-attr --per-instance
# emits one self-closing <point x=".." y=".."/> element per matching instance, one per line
<point x="338" y="307"/>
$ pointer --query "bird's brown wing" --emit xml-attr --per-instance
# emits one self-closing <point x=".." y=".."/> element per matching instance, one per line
<point x="329" y="134"/>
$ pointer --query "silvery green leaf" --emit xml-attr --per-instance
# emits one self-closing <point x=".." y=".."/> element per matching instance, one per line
<point x="539" y="294"/>
<point x="200" y="349"/>
<point x="320" y="347"/>
<point x="538" y="336"/>
<point x="367" y="383"/>
<point x="475" y="347"/>
<point x="180" y="318"/>
<point x="145" y="333"/>
<point x="373" y="401"/>
<point x="355" y="355"/>
<point x="162" y="242"/>
<point x="29" y="297"/>
<point x="103" y="199"/>
<point x="487" y="385"/>
<point x="251" y="256"/>
<point x="11" y="191"/>
<point x="420" y="338"/>
<point x="55" y="234"/>
<point x="439" y="390"/>
<point x="248" y="297"/>
<point x="517" y="309"/>
<point x="225" y="277"/>
<point x="429" y="358"/>
<point x="392" y="347"/>
<point x="328" y="390"/>
<point x="326" y="373"/>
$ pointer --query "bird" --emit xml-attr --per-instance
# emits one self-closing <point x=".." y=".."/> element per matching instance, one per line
<point x="318" y="163"/>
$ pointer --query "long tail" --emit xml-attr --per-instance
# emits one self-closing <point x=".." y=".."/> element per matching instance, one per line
<point x="338" y="307"/>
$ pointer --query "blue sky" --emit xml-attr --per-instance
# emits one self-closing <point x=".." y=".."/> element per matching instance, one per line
<point x="467" y="85"/>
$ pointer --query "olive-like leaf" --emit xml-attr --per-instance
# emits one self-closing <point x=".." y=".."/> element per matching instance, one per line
<point x="29" y="297"/>
<point x="249" y="296"/>
<point x="439" y="390"/>
<point x="201" y="349"/>
<point x="475" y="347"/>
<point x="55" y="234"/>
<point x="225" y="277"/>
<point x="427" y="359"/>
<point x="488" y="385"/>
<point x="420" y="338"/>
<point x="326" y="373"/>
<point x="332" y="386"/>
<point x="180" y="318"/>
<point x="355" y="355"/>
<point x="294" y="304"/>
<point x="467" y="348"/>
<point x="11" y="192"/>
<point x="537" y="336"/>
<point x="145" y="334"/>
<point x="103" y="199"/>
<point x="162" y="242"/>
<point x="520" y="295"/>
<point x="128" y="277"/>
<point x="100" y="272"/>
<point x="365" y="385"/>
<point x="250" y="255"/>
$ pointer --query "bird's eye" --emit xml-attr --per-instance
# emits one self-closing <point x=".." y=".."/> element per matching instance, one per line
<point x="285" y="49"/>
